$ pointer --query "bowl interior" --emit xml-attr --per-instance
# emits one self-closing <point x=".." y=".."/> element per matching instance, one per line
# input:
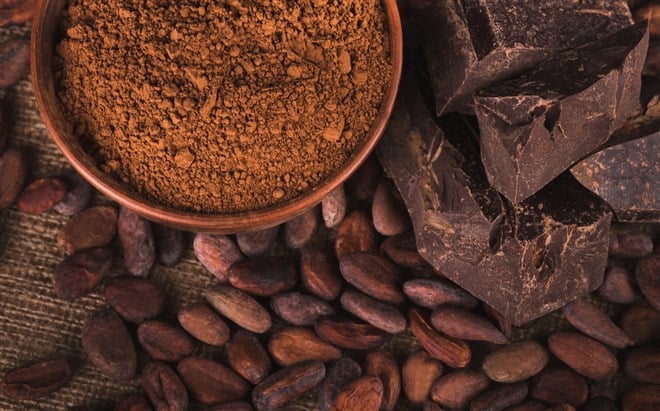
<point x="44" y="35"/>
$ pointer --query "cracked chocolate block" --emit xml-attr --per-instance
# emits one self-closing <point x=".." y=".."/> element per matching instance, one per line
<point x="472" y="43"/>
<point x="537" y="125"/>
<point x="523" y="260"/>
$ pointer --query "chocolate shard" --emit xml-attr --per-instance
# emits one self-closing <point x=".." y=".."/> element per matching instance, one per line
<point x="627" y="177"/>
<point x="473" y="43"/>
<point x="524" y="260"/>
<point x="535" y="126"/>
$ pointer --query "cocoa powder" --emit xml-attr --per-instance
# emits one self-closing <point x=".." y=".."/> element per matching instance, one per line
<point x="222" y="105"/>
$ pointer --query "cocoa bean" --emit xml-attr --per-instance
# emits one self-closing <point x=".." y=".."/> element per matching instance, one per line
<point x="263" y="276"/>
<point x="3" y="127"/>
<point x="170" y="245"/>
<point x="642" y="398"/>
<point x="286" y="385"/>
<point x="641" y="324"/>
<point x="455" y="353"/>
<point x="583" y="354"/>
<point x="355" y="234"/>
<point x="587" y="318"/>
<point x="299" y="231"/>
<point x="462" y="324"/>
<point x="363" y="394"/>
<point x="643" y="364"/>
<point x="561" y="407"/>
<point x="502" y="322"/>
<point x="294" y="345"/>
<point x="402" y="249"/>
<point x="515" y="362"/>
<point x="240" y="308"/>
<point x="16" y="11"/>
<point x="432" y="293"/>
<point x="630" y="244"/>
<point x="133" y="402"/>
<point x="373" y="275"/>
<point x="15" y="56"/>
<point x="41" y="195"/>
<point x="340" y="373"/>
<point x="137" y="242"/>
<point x="247" y="356"/>
<point x="257" y="243"/>
<point x="13" y="171"/>
<point x="500" y="397"/>
<point x="164" y="388"/>
<point x="559" y="384"/>
<point x="333" y="207"/>
<point x="382" y="365"/>
<point x="205" y="325"/>
<point x="617" y="286"/>
<point x="109" y="346"/>
<point x="350" y="335"/>
<point x="300" y="309"/>
<point x="647" y="275"/>
<point x="456" y="390"/>
<point x="380" y="315"/>
<point x="600" y="404"/>
<point x="78" y="197"/>
<point x="35" y="381"/>
<point x="528" y="406"/>
<point x="418" y="374"/>
<point x="431" y="406"/>
<point x="319" y="272"/>
<point x="389" y="215"/>
<point x="211" y="383"/>
<point x="164" y="342"/>
<point x="362" y="184"/>
<point x="136" y="300"/>
<point x="232" y="406"/>
<point x="217" y="253"/>
<point x="93" y="227"/>
<point x="80" y="273"/>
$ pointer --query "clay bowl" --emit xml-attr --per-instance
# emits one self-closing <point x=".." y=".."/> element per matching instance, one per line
<point x="42" y="47"/>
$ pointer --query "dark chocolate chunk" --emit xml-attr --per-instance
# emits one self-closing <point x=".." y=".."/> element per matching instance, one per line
<point x="524" y="260"/>
<point x="472" y="43"/>
<point x="535" y="126"/>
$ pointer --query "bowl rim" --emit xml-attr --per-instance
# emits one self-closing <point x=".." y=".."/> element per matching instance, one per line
<point x="199" y="221"/>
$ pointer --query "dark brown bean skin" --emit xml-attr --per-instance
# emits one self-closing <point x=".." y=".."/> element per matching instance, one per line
<point x="263" y="276"/>
<point x="333" y="207"/>
<point x="257" y="243"/>
<point x="457" y="389"/>
<point x="232" y="406"/>
<point x="36" y="380"/>
<point x="403" y="251"/>
<point x="15" y="61"/>
<point x="463" y="324"/>
<point x="133" y="402"/>
<point x="389" y="216"/>
<point x="355" y="234"/>
<point x="642" y="398"/>
<point x="418" y="374"/>
<point x="454" y="353"/>
<point x="432" y="293"/>
<point x="559" y="384"/>
<point x="293" y="345"/>
<point x="248" y="357"/>
<point x="164" y="342"/>
<point x="80" y="273"/>
<point x="217" y="253"/>
<point x="240" y="308"/>
<point x="137" y="242"/>
<point x="373" y="275"/>
<point x="647" y="275"/>
<point x="340" y="373"/>
<point x="382" y="365"/>
<point x="164" y="388"/>
<point x="319" y="272"/>
<point x="3" y="128"/>
<point x="600" y="404"/>
<point x="587" y="318"/>
<point x="641" y="323"/>
<point x="529" y="406"/>
<point x="211" y="383"/>
<point x="79" y="195"/>
<point x="200" y="321"/>
<point x="135" y="299"/>
<point x="363" y="394"/>
<point x="583" y="354"/>
<point x="349" y="335"/>
<point x="13" y="171"/>
<point x="515" y="362"/>
<point x="617" y="286"/>
<point x="299" y="231"/>
<point x="93" y="227"/>
<point x="41" y="195"/>
<point x="429" y="405"/>
<point x="500" y="397"/>
<point x="630" y="244"/>
<point x="109" y="346"/>
<point x="170" y="245"/>
<point x="300" y="309"/>
<point x="376" y="313"/>
<point x="643" y="364"/>
<point x="287" y="384"/>
<point x="505" y="326"/>
<point x="362" y="184"/>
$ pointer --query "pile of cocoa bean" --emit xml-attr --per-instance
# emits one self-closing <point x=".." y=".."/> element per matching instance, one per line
<point x="315" y="305"/>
